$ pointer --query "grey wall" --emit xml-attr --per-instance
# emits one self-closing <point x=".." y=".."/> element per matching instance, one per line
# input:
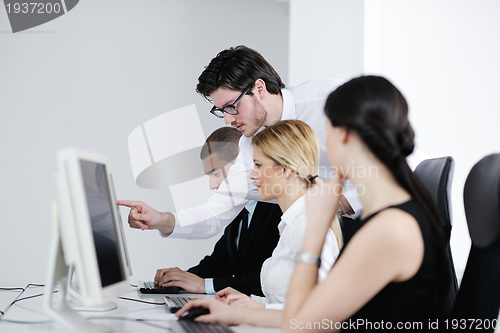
<point x="87" y="79"/>
<point x="331" y="34"/>
<point x="443" y="56"/>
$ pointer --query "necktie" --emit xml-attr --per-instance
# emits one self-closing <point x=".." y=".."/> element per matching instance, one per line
<point x="244" y="229"/>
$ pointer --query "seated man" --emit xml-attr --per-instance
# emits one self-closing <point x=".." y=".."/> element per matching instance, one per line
<point x="247" y="241"/>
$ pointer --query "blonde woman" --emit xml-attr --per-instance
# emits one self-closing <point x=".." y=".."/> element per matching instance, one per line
<point x="285" y="163"/>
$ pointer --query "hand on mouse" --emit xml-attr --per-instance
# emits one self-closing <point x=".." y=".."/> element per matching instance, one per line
<point x="219" y="312"/>
<point x="194" y="313"/>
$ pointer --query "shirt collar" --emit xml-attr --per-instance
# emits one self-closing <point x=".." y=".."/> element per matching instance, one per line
<point x="289" y="215"/>
<point x="250" y="206"/>
<point x="288" y="105"/>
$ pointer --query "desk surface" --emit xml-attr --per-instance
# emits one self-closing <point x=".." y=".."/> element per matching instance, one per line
<point x="7" y="297"/>
<point x="154" y="318"/>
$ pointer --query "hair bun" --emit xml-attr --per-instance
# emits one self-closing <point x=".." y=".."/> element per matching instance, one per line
<point x="405" y="140"/>
<point x="312" y="178"/>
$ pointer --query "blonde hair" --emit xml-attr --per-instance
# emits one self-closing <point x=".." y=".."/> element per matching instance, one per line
<point x="292" y="144"/>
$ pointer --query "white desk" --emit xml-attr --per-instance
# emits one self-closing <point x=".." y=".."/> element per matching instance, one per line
<point x="122" y="319"/>
<point x="7" y="297"/>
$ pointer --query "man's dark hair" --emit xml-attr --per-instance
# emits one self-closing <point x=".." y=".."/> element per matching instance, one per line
<point x="237" y="68"/>
<point x="223" y="142"/>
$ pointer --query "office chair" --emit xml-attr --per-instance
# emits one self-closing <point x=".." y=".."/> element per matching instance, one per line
<point x="436" y="174"/>
<point x="479" y="293"/>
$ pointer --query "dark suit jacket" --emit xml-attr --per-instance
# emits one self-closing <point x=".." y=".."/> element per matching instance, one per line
<point x="240" y="269"/>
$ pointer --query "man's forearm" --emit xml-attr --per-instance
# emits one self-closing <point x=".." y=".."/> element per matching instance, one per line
<point x="205" y="221"/>
<point x="167" y="224"/>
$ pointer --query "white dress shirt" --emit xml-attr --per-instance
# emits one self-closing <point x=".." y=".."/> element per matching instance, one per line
<point x="207" y="220"/>
<point x="277" y="270"/>
<point x="304" y="102"/>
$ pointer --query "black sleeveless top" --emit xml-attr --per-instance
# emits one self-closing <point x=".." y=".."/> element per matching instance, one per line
<point x="413" y="300"/>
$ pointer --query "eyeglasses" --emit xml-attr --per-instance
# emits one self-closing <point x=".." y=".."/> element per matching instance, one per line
<point x="229" y="109"/>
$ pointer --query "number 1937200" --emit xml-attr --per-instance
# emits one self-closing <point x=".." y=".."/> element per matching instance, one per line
<point x="470" y="324"/>
<point x="33" y="8"/>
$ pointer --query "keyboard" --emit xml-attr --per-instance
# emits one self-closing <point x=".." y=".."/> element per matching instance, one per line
<point x="150" y="288"/>
<point x="174" y="303"/>
<point x="195" y="327"/>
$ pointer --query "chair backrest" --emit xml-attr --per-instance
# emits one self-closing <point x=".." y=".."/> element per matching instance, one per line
<point x="436" y="174"/>
<point x="479" y="293"/>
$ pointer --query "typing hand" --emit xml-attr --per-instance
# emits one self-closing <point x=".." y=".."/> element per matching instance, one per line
<point x="242" y="301"/>
<point x="176" y="277"/>
<point x="142" y="216"/>
<point x="223" y="294"/>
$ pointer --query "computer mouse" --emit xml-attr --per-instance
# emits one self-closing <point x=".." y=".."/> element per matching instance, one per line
<point x="194" y="312"/>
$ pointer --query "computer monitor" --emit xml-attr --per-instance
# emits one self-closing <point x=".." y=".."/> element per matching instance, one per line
<point x="75" y="301"/>
<point x="88" y="236"/>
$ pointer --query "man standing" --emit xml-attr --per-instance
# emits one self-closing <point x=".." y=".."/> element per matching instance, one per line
<point x="248" y="93"/>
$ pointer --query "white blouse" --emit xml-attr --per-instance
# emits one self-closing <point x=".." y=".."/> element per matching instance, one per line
<point x="277" y="270"/>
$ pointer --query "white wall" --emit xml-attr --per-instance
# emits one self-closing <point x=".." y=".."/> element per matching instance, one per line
<point x="87" y="79"/>
<point x="326" y="39"/>
<point x="443" y="56"/>
<point x="90" y="77"/>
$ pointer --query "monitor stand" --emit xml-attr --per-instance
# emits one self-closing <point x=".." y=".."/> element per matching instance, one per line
<point x="75" y="299"/>
<point x="64" y="318"/>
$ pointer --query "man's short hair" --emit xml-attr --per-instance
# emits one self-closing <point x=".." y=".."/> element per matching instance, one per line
<point x="223" y="142"/>
<point x="237" y="68"/>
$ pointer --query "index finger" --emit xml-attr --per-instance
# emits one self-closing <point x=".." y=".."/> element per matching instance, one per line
<point x="234" y="297"/>
<point x="220" y="294"/>
<point x="231" y="299"/>
<point x="228" y="299"/>
<point x="159" y="274"/>
<point x="129" y="203"/>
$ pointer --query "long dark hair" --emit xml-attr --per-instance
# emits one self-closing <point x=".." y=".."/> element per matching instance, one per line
<point x="377" y="111"/>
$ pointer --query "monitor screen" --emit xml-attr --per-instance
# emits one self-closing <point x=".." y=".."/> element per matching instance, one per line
<point x="103" y="227"/>
<point x="87" y="238"/>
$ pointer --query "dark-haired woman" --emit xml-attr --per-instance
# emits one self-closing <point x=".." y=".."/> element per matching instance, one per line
<point x="393" y="273"/>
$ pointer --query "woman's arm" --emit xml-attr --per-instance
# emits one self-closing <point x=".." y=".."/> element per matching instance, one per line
<point x="228" y="315"/>
<point x="321" y="203"/>
<point x="388" y="248"/>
